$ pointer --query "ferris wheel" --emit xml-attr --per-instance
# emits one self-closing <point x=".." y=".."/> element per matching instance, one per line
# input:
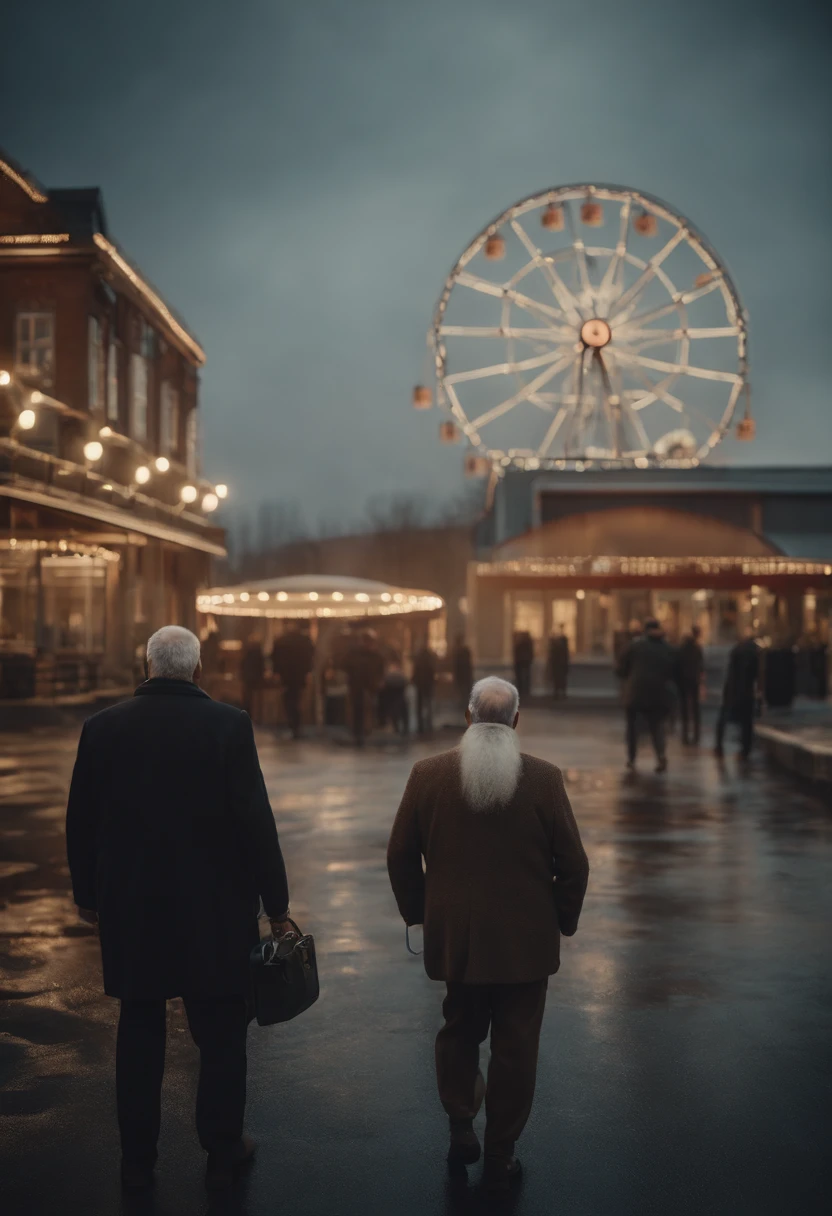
<point x="589" y="325"/>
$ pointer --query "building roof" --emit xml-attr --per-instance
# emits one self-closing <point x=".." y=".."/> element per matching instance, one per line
<point x="316" y="595"/>
<point x="739" y="479"/>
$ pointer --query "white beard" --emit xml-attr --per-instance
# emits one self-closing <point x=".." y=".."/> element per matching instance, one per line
<point x="489" y="764"/>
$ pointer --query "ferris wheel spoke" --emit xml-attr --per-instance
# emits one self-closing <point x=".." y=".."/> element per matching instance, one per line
<point x="502" y="292"/>
<point x="647" y="275"/>
<point x="608" y="281"/>
<point x="561" y="292"/>
<point x="678" y="369"/>
<point x="554" y="427"/>
<point x="523" y="394"/>
<point x="539" y="333"/>
<point x="579" y="250"/>
<point x="505" y="369"/>
<point x="675" y="335"/>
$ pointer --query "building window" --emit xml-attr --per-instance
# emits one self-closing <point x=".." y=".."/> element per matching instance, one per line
<point x="191" y="445"/>
<point x="95" y="366"/>
<point x="138" y="398"/>
<point x="112" y="382"/>
<point x="168" y="420"/>
<point x="35" y="346"/>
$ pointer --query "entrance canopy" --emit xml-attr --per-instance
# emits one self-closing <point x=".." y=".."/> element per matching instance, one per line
<point x="317" y="596"/>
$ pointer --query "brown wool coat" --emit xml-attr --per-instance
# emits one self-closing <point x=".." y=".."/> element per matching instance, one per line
<point x="498" y="886"/>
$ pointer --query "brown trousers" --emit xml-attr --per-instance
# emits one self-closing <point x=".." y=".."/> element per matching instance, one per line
<point x="514" y="1013"/>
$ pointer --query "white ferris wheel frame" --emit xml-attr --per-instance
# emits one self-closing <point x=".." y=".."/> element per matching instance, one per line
<point x="567" y="311"/>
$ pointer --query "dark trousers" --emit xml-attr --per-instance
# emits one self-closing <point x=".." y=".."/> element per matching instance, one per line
<point x="424" y="709"/>
<point x="359" y="698"/>
<point x="655" y="724"/>
<point x="218" y="1027"/>
<point x="742" y="712"/>
<point x="523" y="678"/>
<point x="292" y="694"/>
<point x="689" y="708"/>
<point x="559" y="685"/>
<point x="514" y="1013"/>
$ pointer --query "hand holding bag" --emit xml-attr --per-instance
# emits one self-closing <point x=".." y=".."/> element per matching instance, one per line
<point x="284" y="975"/>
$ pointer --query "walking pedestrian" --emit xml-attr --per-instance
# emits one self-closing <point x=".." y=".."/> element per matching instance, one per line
<point x="523" y="659"/>
<point x="648" y="667"/>
<point x="504" y="876"/>
<point x="393" y="698"/>
<point x="463" y="671"/>
<point x="252" y="669"/>
<point x="364" y="666"/>
<point x="171" y="845"/>
<point x="293" y="657"/>
<point x="739" y="695"/>
<point x="558" y="664"/>
<point x="690" y="671"/>
<point x="424" y="681"/>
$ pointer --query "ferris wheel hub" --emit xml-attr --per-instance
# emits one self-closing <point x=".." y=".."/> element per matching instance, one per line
<point x="595" y="333"/>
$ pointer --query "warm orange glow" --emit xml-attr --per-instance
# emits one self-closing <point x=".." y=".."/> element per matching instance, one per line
<point x="34" y="194"/>
<point x="36" y="238"/>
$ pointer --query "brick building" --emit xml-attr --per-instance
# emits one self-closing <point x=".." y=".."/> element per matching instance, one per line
<point x="105" y="521"/>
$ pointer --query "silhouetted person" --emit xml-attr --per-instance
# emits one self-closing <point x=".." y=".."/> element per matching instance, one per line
<point x="364" y="668"/>
<point x="293" y="657"/>
<point x="393" y="698"/>
<point x="523" y="659"/>
<point x="504" y="876"/>
<point x="424" y="681"/>
<point x="559" y="663"/>
<point x="463" y="670"/>
<point x="690" y="669"/>
<point x="780" y="674"/>
<point x="648" y="668"/>
<point x="252" y="668"/>
<point x="739" y="695"/>
<point x="171" y="845"/>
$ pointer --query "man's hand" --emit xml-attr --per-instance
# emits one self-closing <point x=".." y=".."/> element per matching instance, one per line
<point x="88" y="916"/>
<point x="280" y="926"/>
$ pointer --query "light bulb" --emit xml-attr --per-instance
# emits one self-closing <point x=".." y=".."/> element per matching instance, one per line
<point x="162" y="464"/>
<point x="188" y="493"/>
<point x="221" y="491"/>
<point x="26" y="419"/>
<point x="210" y="502"/>
<point x="142" y="475"/>
<point x="93" y="450"/>
<point x="5" y="379"/>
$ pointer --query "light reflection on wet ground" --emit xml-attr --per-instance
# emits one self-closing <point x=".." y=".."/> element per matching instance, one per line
<point x="685" y="1053"/>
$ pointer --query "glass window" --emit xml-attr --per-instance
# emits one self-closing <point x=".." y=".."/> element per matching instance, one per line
<point x="138" y="398"/>
<point x="191" y="445"/>
<point x="112" y="382"/>
<point x="168" y="420"/>
<point x="73" y="603"/>
<point x="95" y="366"/>
<point x="35" y="345"/>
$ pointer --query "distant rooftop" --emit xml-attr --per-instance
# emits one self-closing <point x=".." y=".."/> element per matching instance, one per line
<point x="771" y="479"/>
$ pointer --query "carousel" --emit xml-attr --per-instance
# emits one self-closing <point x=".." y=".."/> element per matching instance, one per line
<point x="332" y="610"/>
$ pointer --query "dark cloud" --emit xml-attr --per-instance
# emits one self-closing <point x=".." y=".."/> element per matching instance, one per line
<point x="298" y="178"/>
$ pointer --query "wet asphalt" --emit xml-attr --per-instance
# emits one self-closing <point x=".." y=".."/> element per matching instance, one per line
<point x="685" y="1063"/>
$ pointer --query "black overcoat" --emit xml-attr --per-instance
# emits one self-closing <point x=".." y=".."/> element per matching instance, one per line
<point x="648" y="669"/>
<point x="171" y="839"/>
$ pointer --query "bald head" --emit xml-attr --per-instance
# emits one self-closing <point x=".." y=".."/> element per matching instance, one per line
<point x="494" y="700"/>
<point x="173" y="654"/>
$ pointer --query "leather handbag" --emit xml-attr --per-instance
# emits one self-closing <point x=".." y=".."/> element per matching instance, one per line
<point x="284" y="975"/>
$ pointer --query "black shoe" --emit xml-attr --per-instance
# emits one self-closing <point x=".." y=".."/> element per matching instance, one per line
<point x="222" y="1167"/>
<point x="464" y="1148"/>
<point x="500" y="1173"/>
<point x="136" y="1175"/>
<point x="661" y="767"/>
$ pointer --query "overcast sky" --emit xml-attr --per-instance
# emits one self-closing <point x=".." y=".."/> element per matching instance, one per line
<point x="298" y="178"/>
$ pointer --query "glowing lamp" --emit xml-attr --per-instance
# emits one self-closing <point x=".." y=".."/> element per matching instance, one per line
<point x="93" y="450"/>
<point x="188" y="493"/>
<point x="142" y="475"/>
<point x="210" y="502"/>
<point x="262" y="596"/>
<point x="5" y="379"/>
<point x="26" y="419"/>
<point x="221" y="490"/>
<point x="162" y="464"/>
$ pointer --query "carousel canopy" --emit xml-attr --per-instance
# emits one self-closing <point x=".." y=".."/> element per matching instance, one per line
<point x="316" y="595"/>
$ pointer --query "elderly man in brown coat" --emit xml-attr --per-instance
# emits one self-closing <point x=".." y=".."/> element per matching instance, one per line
<point x="504" y="876"/>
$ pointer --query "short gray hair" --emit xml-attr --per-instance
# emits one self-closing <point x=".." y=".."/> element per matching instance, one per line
<point x="174" y="653"/>
<point x="494" y="700"/>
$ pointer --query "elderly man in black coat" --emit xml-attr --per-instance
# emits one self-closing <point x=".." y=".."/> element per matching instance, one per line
<point x="172" y="844"/>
